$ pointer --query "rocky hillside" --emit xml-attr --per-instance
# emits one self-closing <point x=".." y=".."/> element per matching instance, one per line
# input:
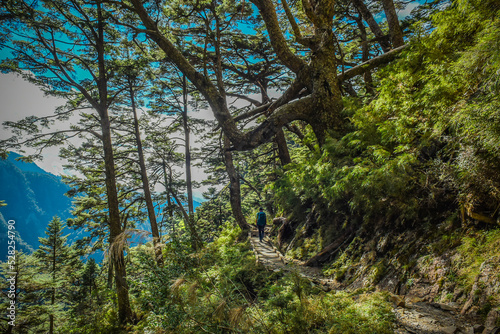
<point x="455" y="264"/>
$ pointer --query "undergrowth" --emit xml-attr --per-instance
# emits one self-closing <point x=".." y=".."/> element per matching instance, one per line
<point x="222" y="290"/>
<point x="475" y="249"/>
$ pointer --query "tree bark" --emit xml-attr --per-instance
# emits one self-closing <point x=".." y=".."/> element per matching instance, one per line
<point x="168" y="185"/>
<point x="393" y="22"/>
<point x="374" y="27"/>
<point x="53" y="292"/>
<point x="145" y="181"/>
<point x="189" y="184"/>
<point x="283" y="152"/>
<point x="365" y="49"/>
<point x="110" y="274"/>
<point x="234" y="188"/>
<point x="124" y="310"/>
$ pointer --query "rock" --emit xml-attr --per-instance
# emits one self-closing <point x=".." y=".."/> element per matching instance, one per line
<point x="398" y="301"/>
<point x="414" y="299"/>
<point x="445" y="307"/>
<point x="466" y="306"/>
<point x="492" y="319"/>
<point x="382" y="244"/>
<point x="486" y="284"/>
<point x="467" y="330"/>
<point x="478" y="328"/>
<point x="457" y="294"/>
<point x="494" y="330"/>
<point x="450" y="330"/>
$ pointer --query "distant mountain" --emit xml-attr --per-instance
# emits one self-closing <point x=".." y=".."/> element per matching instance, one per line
<point x="33" y="196"/>
<point x="24" y="166"/>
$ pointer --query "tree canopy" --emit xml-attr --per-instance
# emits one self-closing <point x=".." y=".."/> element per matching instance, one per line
<point x="342" y="119"/>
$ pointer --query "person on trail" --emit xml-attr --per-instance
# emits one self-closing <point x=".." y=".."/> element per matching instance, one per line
<point x="261" y="223"/>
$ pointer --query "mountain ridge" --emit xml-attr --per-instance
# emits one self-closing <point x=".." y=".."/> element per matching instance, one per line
<point x="32" y="197"/>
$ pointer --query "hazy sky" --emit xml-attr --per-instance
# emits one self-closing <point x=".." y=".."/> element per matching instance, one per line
<point x="20" y="98"/>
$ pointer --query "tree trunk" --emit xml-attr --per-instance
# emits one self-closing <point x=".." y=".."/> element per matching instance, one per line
<point x="323" y="113"/>
<point x="283" y="152"/>
<point x="234" y="188"/>
<point x="51" y="320"/>
<point x="110" y="274"/>
<point x="365" y="49"/>
<point x="124" y="310"/>
<point x="393" y="22"/>
<point x="168" y="185"/>
<point x="185" y="124"/>
<point x="145" y="183"/>
<point x="53" y="292"/>
<point x="374" y="27"/>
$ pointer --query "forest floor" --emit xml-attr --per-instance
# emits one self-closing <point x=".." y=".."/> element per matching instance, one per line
<point x="412" y="314"/>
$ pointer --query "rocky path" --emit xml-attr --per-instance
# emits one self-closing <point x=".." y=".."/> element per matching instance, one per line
<point x="431" y="318"/>
<point x="413" y="315"/>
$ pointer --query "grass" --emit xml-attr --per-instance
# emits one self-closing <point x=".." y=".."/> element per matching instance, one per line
<point x="474" y="250"/>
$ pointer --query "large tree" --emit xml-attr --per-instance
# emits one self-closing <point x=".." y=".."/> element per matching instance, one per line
<point x="315" y="65"/>
<point x="64" y="47"/>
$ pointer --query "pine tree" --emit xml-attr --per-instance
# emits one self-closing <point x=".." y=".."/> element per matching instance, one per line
<point x="65" y="47"/>
<point x="55" y="256"/>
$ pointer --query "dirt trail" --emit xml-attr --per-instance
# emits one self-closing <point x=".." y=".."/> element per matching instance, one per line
<point x="413" y="315"/>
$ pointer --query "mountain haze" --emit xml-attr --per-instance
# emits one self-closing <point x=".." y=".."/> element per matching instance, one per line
<point x="33" y="196"/>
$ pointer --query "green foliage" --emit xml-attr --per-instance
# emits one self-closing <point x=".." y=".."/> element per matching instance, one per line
<point x="423" y="145"/>
<point x="429" y="136"/>
<point x="474" y="250"/>
<point x="222" y="290"/>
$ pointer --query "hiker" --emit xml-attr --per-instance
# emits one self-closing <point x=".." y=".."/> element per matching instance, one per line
<point x="261" y="223"/>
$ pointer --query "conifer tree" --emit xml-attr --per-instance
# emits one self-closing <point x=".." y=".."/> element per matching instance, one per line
<point x="31" y="286"/>
<point x="64" y="46"/>
<point x="55" y="257"/>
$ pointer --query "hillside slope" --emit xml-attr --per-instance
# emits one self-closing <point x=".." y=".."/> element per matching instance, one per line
<point x="33" y="197"/>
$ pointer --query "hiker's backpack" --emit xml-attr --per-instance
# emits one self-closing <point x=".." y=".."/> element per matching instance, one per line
<point x="261" y="219"/>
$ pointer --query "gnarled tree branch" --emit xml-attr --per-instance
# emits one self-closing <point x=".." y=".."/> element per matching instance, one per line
<point x="372" y="63"/>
